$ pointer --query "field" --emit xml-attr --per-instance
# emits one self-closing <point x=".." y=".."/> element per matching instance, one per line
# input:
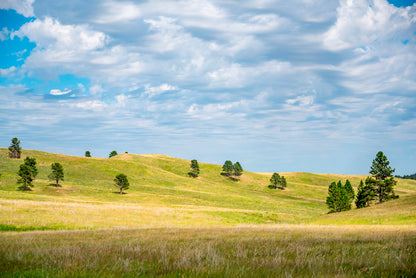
<point x="168" y="224"/>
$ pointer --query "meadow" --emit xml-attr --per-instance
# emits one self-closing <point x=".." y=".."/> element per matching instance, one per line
<point x="168" y="224"/>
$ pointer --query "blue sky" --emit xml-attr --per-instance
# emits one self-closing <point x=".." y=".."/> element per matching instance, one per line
<point x="317" y="86"/>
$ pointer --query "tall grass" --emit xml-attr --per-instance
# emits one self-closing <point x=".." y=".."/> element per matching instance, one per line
<point x="289" y="251"/>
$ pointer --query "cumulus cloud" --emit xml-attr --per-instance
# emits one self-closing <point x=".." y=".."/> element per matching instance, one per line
<point x="362" y="22"/>
<point x="23" y="7"/>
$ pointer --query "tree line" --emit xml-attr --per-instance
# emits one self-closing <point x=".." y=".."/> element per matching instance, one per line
<point x="379" y="187"/>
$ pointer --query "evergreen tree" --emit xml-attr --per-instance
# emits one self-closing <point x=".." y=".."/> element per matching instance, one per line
<point x="121" y="182"/>
<point x="282" y="183"/>
<point x="338" y="199"/>
<point x="350" y="190"/>
<point x="14" y="149"/>
<point x="365" y="193"/>
<point x="194" y="169"/>
<point x="238" y="170"/>
<point x="277" y="181"/>
<point x="87" y="154"/>
<point x="383" y="178"/>
<point x="227" y="168"/>
<point x="57" y="173"/>
<point x="274" y="180"/>
<point x="26" y="177"/>
<point x="113" y="153"/>
<point x="31" y="163"/>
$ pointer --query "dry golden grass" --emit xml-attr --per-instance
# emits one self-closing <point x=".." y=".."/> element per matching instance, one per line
<point x="272" y="251"/>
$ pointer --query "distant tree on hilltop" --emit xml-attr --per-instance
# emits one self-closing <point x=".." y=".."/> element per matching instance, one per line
<point x="87" y="154"/>
<point x="194" y="169"/>
<point x="14" y="149"/>
<point x="277" y="181"/>
<point x="227" y="168"/>
<point x="113" y="153"/>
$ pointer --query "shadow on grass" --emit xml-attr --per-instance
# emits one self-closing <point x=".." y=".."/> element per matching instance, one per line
<point x="118" y="192"/>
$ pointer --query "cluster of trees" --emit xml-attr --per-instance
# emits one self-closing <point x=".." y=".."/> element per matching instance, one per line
<point x="28" y="170"/>
<point x="277" y="181"/>
<point x="340" y="196"/>
<point x="377" y="187"/>
<point x="233" y="171"/>
<point x="408" y="177"/>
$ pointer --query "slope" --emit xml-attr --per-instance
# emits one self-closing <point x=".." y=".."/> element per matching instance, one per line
<point x="161" y="194"/>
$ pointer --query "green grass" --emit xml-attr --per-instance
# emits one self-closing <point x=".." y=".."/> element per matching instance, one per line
<point x="162" y="195"/>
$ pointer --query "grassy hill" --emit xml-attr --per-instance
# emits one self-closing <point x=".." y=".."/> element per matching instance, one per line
<point x="162" y="195"/>
<point x="170" y="225"/>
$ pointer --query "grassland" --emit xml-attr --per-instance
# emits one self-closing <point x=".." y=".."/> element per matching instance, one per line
<point x="169" y="224"/>
<point x="274" y="251"/>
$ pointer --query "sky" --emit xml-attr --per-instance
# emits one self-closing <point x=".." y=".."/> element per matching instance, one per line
<point x="280" y="86"/>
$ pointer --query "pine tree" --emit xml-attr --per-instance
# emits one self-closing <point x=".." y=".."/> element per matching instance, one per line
<point x="383" y="178"/>
<point x="338" y="199"/>
<point x="121" y="182"/>
<point x="113" y="153"/>
<point x="26" y="178"/>
<point x="57" y="173"/>
<point x="87" y="154"/>
<point x="14" y="149"/>
<point x="238" y="170"/>
<point x="227" y="168"/>
<point x="274" y="180"/>
<point x="31" y="163"/>
<point x="194" y="169"/>
<point x="277" y="181"/>
<point x="365" y="193"/>
<point x="350" y="190"/>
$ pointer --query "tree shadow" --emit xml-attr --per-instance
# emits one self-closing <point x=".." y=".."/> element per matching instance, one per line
<point x="54" y="185"/>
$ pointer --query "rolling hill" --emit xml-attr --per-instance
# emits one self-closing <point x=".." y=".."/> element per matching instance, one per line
<point x="162" y="195"/>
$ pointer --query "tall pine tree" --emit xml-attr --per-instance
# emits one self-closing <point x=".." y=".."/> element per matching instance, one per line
<point x="383" y="178"/>
<point x="338" y="198"/>
<point x="194" y="169"/>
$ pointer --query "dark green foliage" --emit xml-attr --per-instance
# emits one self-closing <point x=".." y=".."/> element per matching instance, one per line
<point x="410" y="177"/>
<point x="277" y="181"/>
<point x="27" y="172"/>
<point x="121" y="182"/>
<point x="87" y="154"/>
<point x="227" y="168"/>
<point x="338" y="198"/>
<point x="14" y="149"/>
<point x="31" y="162"/>
<point x="365" y="193"/>
<point x="350" y="190"/>
<point x="194" y="169"/>
<point x="383" y="178"/>
<point x="113" y="153"/>
<point x="238" y="170"/>
<point x="57" y="173"/>
<point x="26" y="178"/>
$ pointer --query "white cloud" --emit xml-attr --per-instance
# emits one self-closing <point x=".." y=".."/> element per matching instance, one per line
<point x="362" y="22"/>
<point x="23" y="7"/>
<point x="4" y="34"/>
<point x="52" y="35"/>
<point x="95" y="105"/>
<point x="57" y="92"/>
<point x="153" y="91"/>
<point x="8" y="71"/>
<point x="118" y="12"/>
<point x="301" y="100"/>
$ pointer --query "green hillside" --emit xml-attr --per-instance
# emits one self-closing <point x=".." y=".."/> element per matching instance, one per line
<point x="162" y="195"/>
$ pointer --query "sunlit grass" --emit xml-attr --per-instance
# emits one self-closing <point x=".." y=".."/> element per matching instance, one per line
<point x="274" y="251"/>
